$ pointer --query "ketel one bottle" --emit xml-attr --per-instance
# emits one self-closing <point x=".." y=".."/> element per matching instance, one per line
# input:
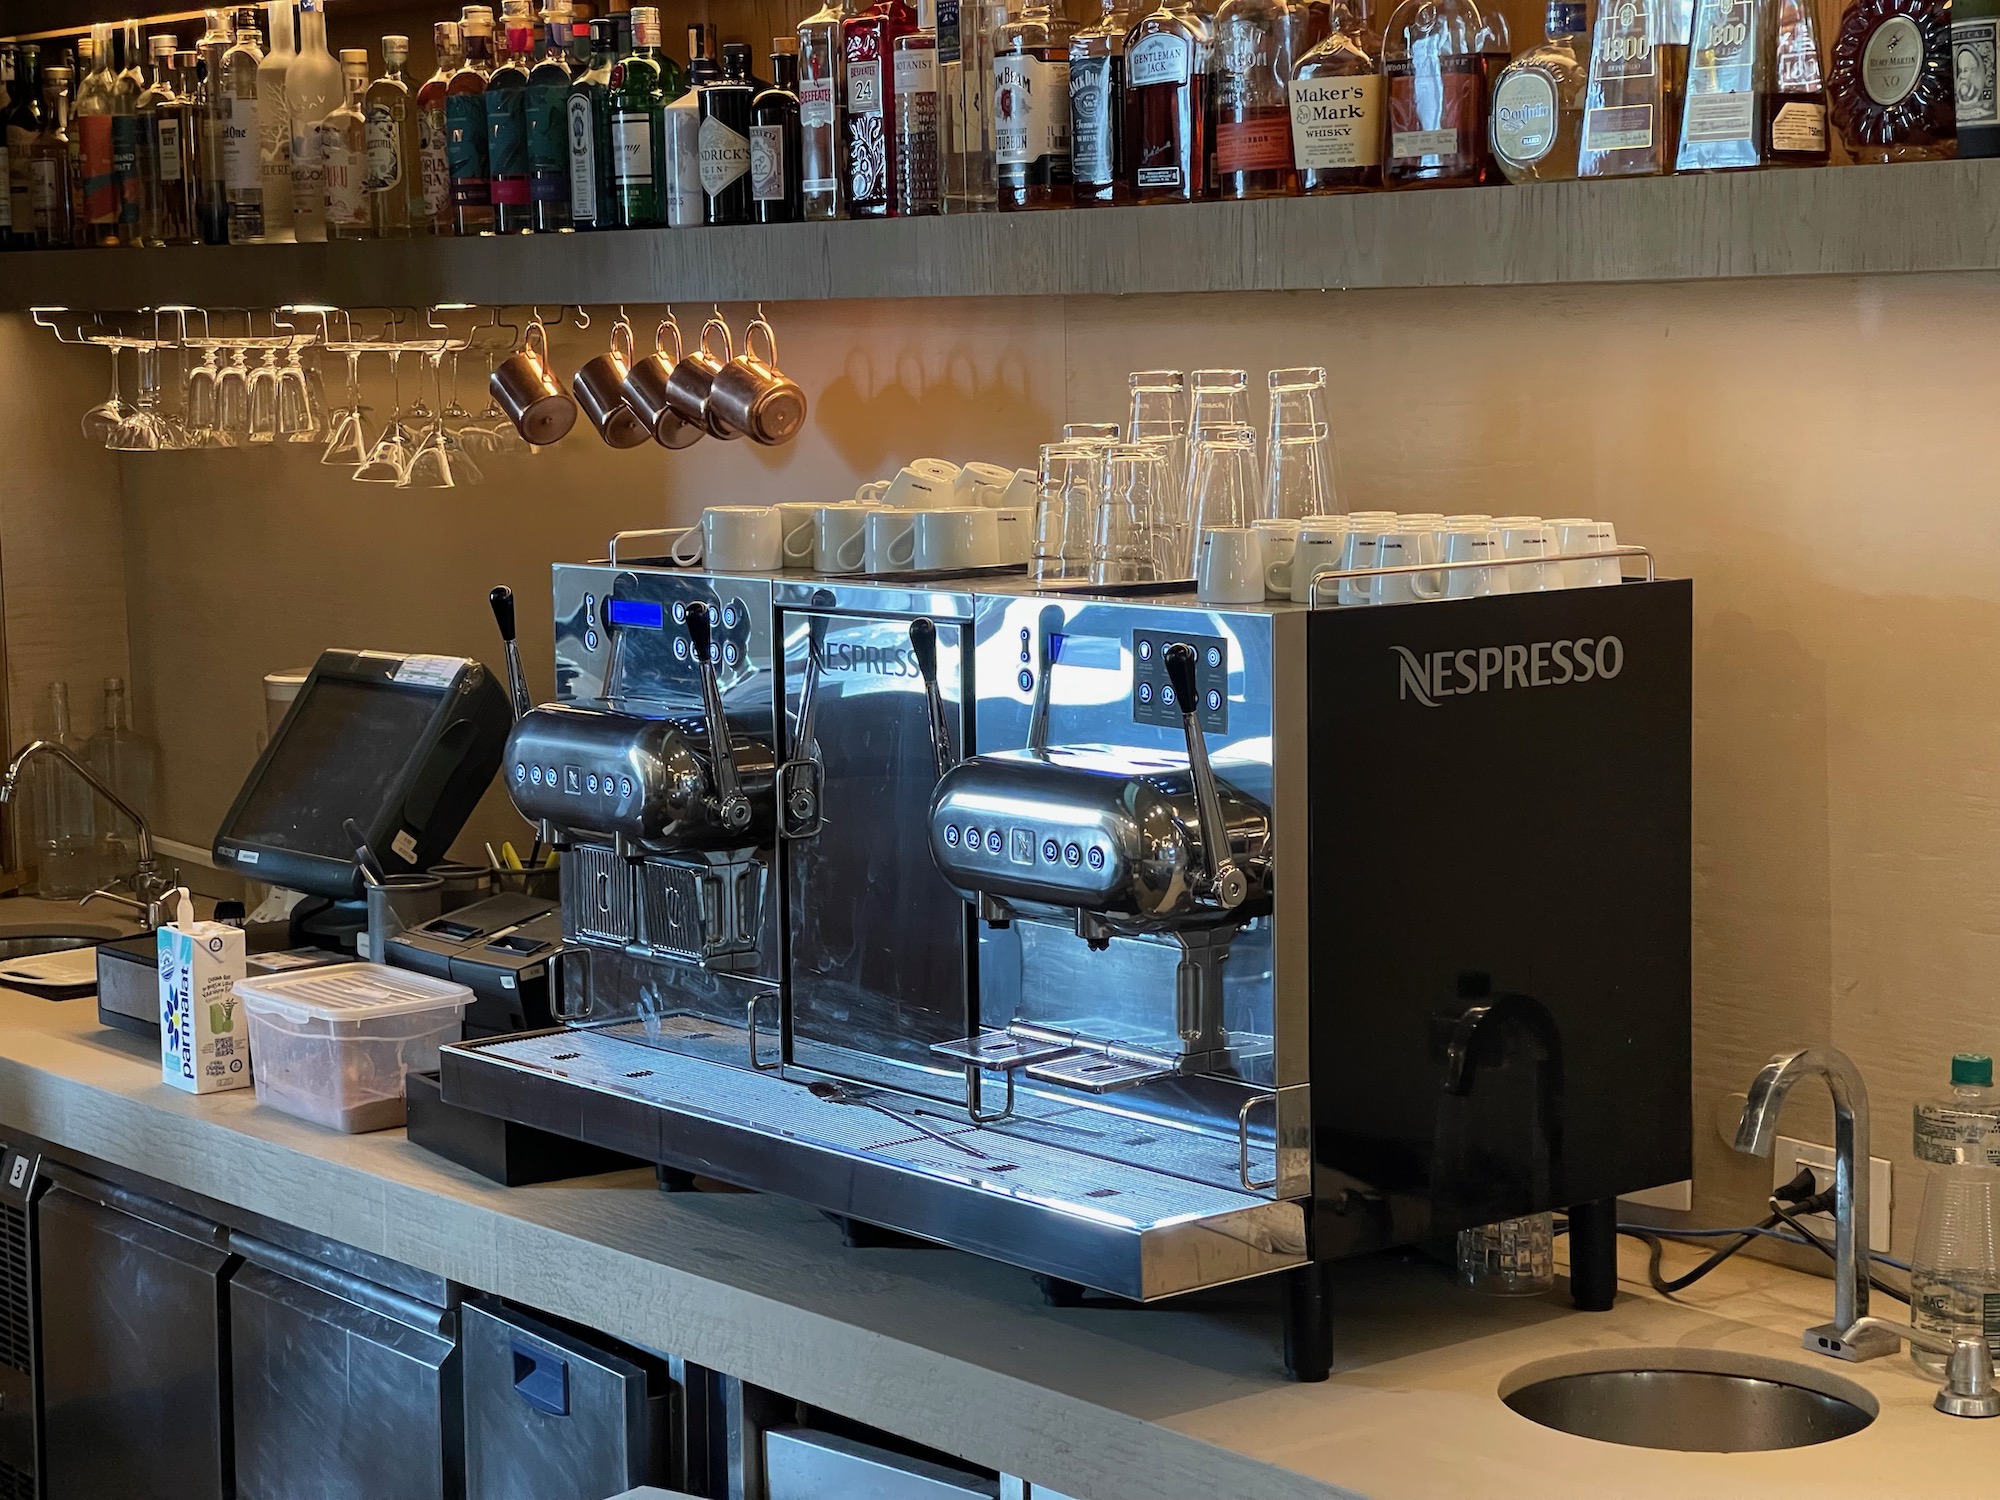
<point x="724" y="141"/>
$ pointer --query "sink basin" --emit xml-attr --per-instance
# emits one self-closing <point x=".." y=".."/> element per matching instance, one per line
<point x="1692" y="1400"/>
<point x="26" y="939"/>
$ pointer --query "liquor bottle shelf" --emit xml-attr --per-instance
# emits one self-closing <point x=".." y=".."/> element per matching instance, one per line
<point x="1941" y="216"/>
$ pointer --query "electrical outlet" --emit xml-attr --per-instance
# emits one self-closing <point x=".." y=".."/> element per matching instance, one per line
<point x="1677" y="1197"/>
<point x="1792" y="1154"/>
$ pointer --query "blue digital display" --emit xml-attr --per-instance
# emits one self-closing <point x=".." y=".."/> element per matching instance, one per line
<point x="642" y="613"/>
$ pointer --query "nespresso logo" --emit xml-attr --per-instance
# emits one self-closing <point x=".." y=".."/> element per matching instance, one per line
<point x="1432" y="675"/>
<point x="876" y="661"/>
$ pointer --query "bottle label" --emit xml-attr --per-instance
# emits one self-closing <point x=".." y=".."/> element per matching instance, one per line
<point x="1409" y="143"/>
<point x="170" y="148"/>
<point x="1623" y="127"/>
<point x="582" y="161"/>
<point x="1524" y="117"/>
<point x="1337" y="122"/>
<point x="1720" y="117"/>
<point x="125" y="167"/>
<point x="682" y="151"/>
<point x="767" y="163"/>
<point x="949" y="46"/>
<point x="1623" y="45"/>
<point x="816" y="104"/>
<point x="1892" y="60"/>
<point x="385" y="162"/>
<point x="1093" y="119"/>
<point x="44" y="193"/>
<point x="1973" y="57"/>
<point x="1433" y="121"/>
<point x="864" y="87"/>
<point x="916" y="70"/>
<point x="1030" y="109"/>
<point x="100" y="181"/>
<point x="1159" y="177"/>
<point x="1799" y="127"/>
<point x="308" y="176"/>
<point x="632" y="147"/>
<point x="1262" y="143"/>
<point x="274" y="151"/>
<point x="432" y="160"/>
<point x="243" y="167"/>
<point x="548" y="136"/>
<point x="6" y="197"/>
<point x="465" y="148"/>
<point x="725" y="156"/>
<point x="1159" y="58"/>
<point x="342" y="175"/>
<point x="507" y="144"/>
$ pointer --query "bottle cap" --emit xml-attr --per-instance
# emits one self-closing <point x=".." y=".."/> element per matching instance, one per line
<point x="395" y="51"/>
<point x="1972" y="1068"/>
<point x="162" y="44"/>
<point x="350" y="56"/>
<point x="784" y="44"/>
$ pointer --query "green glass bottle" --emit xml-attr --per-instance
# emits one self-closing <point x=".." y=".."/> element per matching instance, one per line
<point x="591" y="205"/>
<point x="638" y="104"/>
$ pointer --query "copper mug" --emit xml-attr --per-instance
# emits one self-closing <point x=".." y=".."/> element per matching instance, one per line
<point x="754" y="397"/>
<point x="694" y="378"/>
<point x="534" y="400"/>
<point x="646" y="388"/>
<point x="598" y="386"/>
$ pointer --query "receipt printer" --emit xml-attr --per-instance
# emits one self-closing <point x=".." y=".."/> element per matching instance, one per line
<point x="499" y="949"/>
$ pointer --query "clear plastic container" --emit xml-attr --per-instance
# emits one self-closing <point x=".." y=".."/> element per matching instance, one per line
<point x="1955" y="1272"/>
<point x="334" y="1045"/>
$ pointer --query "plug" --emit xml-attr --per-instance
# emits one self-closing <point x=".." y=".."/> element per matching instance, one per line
<point x="1801" y="1187"/>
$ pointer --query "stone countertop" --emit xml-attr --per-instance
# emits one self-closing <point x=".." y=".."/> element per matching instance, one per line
<point x="1102" y="1403"/>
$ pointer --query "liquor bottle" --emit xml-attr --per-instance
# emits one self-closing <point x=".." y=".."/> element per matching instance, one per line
<point x="1336" y="98"/>
<point x="1096" y="107"/>
<point x="868" y="33"/>
<point x="1031" y="109"/>
<point x="681" y="202"/>
<point x="637" y="125"/>
<point x="580" y="43"/>
<point x="724" y="139"/>
<point x="1436" y="101"/>
<point x="1166" y="107"/>
<point x="23" y="124"/>
<point x="1632" y="93"/>
<point x="314" y="89"/>
<point x="434" y="130"/>
<point x="213" y="192"/>
<point x="919" y="185"/>
<point x="1791" y="117"/>
<point x="129" y="763"/>
<point x="1496" y="50"/>
<point x="776" y="180"/>
<point x="1537" y="114"/>
<point x="465" y="125"/>
<point x="243" y="167"/>
<point x="127" y="85"/>
<point x="169" y="128"/>
<point x="973" y="176"/>
<point x="9" y="92"/>
<point x="820" y="96"/>
<point x="51" y="188"/>
<point x="97" y="174"/>
<point x="591" y="205"/>
<point x="701" y="68"/>
<point x="1975" y="50"/>
<point x="395" y="204"/>
<point x="340" y="146"/>
<point x="274" y="122"/>
<point x="507" y="122"/>
<point x="1891" y="84"/>
<point x="1253" y="125"/>
<point x="548" y="123"/>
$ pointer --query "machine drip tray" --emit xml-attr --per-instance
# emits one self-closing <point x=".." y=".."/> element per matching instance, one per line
<point x="1105" y="1224"/>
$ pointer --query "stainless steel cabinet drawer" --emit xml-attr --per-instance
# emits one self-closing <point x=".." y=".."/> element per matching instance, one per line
<point x="801" y="1464"/>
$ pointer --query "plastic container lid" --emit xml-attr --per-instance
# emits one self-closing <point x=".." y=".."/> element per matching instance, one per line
<point x="1973" y="1068"/>
<point x="350" y="993"/>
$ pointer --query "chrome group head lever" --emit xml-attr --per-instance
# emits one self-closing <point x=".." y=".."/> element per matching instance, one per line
<point x="923" y="641"/>
<point x="502" y="600"/>
<point x="802" y="776"/>
<point x="732" y="807"/>
<point x="1049" y="639"/>
<point x="1224" y="879"/>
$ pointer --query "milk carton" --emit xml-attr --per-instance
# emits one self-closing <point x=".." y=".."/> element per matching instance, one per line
<point x="204" y="1038"/>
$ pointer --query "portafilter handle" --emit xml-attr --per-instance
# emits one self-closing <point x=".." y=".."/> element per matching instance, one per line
<point x="923" y="642"/>
<point x="802" y="738"/>
<point x="502" y="600"/>
<point x="1226" y="882"/>
<point x="732" y="807"/>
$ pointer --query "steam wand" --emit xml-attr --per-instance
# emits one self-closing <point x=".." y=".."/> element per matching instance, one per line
<point x="732" y="805"/>
<point x="1224" y="879"/>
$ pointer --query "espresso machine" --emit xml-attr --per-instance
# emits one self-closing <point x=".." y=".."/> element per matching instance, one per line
<point x="1144" y="944"/>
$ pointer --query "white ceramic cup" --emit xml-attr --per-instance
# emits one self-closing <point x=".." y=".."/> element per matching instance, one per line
<point x="912" y="489"/>
<point x="1357" y="550"/>
<point x="981" y="484"/>
<point x="1230" y="566"/>
<point x="732" y="537"/>
<point x="953" y="540"/>
<point x="798" y="524"/>
<point x="1402" y="549"/>
<point x="840" y="538"/>
<point x="1473" y="542"/>
<point x="1014" y="526"/>
<point x="1528" y="537"/>
<point x="891" y="545"/>
<point x="1574" y="535"/>
<point x="1020" y="491"/>
<point x="1319" y="545"/>
<point x="1281" y="543"/>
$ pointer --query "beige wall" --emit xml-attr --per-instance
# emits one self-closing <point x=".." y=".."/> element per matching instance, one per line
<point x="1811" y="453"/>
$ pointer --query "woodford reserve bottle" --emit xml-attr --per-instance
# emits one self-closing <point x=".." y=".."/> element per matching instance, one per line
<point x="1891" y="85"/>
<point x="1253" y="126"/>
<point x="1436" y="95"/>
<point x="1631" y="109"/>
<point x="1336" y="96"/>
<point x="1166" y="107"/>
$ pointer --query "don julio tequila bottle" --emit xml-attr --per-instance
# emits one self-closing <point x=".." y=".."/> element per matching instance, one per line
<point x="1537" y="111"/>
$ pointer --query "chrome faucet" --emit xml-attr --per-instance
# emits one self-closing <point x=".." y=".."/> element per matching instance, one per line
<point x="149" y="884"/>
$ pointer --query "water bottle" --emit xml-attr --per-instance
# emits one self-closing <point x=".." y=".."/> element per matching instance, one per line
<point x="1955" y="1273"/>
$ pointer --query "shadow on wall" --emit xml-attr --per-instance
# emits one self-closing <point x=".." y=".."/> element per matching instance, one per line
<point x="948" y="405"/>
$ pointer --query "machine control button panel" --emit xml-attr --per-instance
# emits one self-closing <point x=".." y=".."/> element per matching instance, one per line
<point x="1153" y="695"/>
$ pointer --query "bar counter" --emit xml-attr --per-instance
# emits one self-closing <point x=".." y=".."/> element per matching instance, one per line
<point x="1100" y="1403"/>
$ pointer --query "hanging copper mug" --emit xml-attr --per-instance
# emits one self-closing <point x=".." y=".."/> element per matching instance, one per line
<point x="534" y="400"/>
<point x="754" y="397"/>
<point x="694" y="376"/>
<point x="598" y="386"/>
<point x="646" y="388"/>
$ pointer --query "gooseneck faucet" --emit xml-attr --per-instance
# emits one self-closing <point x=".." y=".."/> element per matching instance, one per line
<point x="149" y="885"/>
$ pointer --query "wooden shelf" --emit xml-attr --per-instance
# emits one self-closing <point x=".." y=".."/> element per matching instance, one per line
<point x="1835" y="221"/>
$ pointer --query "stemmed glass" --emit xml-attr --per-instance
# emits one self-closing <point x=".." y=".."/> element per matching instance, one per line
<point x="493" y="433"/>
<point x="264" y="399"/>
<point x="440" y="462"/>
<point x="145" y="430"/>
<point x="100" y="423"/>
<point x="1125" y="547"/>
<point x="347" y="438"/>
<point x="389" y="460"/>
<point x="232" y="397"/>
<point x="200" y="411"/>
<point x="452" y="411"/>
<point x="298" y="420"/>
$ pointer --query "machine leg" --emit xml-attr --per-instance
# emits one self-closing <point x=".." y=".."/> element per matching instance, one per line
<point x="1593" y="1254"/>
<point x="1057" y="1292"/>
<point x="672" y="1179"/>
<point x="1308" y="1324"/>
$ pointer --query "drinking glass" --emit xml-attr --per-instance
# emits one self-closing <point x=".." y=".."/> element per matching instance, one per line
<point x="298" y="422"/>
<point x="1296" y="484"/>
<point x="452" y="411"/>
<point x="440" y="461"/>
<point x="101" y="421"/>
<point x="389" y="460"/>
<point x="346" y="434"/>
<point x="1159" y="405"/>
<point x="264" y="400"/>
<point x="1217" y="399"/>
<point x="200" y="413"/>
<point x="1080" y="432"/>
<point x="1224" y="487"/>
<point x="1298" y="418"/>
<point x="144" y="429"/>
<point x="1125" y="547"/>
<point x="232" y="395"/>
<point x="1071" y="480"/>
